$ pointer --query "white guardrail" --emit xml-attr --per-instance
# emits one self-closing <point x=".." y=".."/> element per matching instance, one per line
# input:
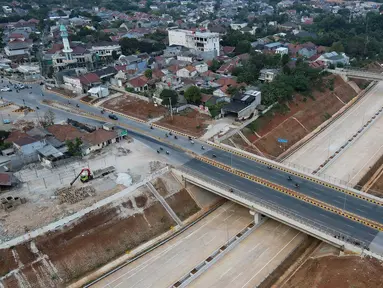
<point x="287" y="216"/>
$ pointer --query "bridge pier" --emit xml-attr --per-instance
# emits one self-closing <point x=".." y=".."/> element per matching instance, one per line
<point x="257" y="216"/>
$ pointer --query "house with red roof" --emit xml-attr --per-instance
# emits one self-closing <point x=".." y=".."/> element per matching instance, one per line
<point x="139" y="83"/>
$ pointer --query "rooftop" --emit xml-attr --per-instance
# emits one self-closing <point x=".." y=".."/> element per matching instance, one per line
<point x="65" y="132"/>
<point x="99" y="136"/>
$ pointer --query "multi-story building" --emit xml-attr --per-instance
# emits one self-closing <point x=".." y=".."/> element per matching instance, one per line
<point x="205" y="44"/>
<point x="106" y="51"/>
<point x="70" y="56"/>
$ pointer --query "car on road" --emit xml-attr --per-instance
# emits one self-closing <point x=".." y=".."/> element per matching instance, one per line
<point x="113" y="117"/>
<point x="6" y="89"/>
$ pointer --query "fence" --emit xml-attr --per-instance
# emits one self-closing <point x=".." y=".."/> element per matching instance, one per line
<point x="41" y="178"/>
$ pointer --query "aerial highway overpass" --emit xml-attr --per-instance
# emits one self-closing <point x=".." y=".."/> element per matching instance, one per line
<point x="345" y="212"/>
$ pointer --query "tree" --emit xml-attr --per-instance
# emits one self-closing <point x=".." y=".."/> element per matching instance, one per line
<point x="193" y="95"/>
<point x="74" y="148"/>
<point x="242" y="47"/>
<point x="34" y="36"/>
<point x="115" y="55"/>
<point x="215" y="64"/>
<point x="285" y="59"/>
<point x="337" y="47"/>
<point x="232" y="90"/>
<point x="167" y="94"/>
<point x="61" y="13"/>
<point x="148" y="73"/>
<point x="49" y="118"/>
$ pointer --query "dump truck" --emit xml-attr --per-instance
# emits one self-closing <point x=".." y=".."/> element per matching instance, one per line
<point x="86" y="174"/>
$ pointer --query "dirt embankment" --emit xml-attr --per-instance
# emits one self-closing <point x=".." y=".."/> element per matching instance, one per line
<point x="187" y="121"/>
<point x="134" y="107"/>
<point x="300" y="118"/>
<point x="62" y="256"/>
<point x="339" y="272"/>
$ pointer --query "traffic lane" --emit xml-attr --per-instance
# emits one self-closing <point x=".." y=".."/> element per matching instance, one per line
<point x="38" y="95"/>
<point x="301" y="208"/>
<point x="338" y="199"/>
<point x="168" y="263"/>
<point x="352" y="204"/>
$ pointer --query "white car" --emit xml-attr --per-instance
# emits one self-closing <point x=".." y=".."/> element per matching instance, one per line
<point x="5" y="89"/>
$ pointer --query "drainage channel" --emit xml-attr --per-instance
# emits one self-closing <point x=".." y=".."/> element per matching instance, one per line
<point x="349" y="142"/>
<point x="216" y="255"/>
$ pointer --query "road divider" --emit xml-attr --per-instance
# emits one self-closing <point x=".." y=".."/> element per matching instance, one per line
<point x="248" y="176"/>
<point x="128" y="116"/>
<point x="295" y="173"/>
<point x="292" y="193"/>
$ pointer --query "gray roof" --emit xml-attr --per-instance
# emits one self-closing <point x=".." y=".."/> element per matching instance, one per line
<point x="16" y="45"/>
<point x="50" y="151"/>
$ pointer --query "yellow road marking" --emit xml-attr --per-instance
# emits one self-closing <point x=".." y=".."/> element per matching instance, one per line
<point x="292" y="193"/>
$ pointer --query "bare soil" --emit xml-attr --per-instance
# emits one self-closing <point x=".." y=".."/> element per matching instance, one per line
<point x="339" y="272"/>
<point x="62" y="256"/>
<point x="87" y="99"/>
<point x="362" y="83"/>
<point x="304" y="114"/>
<point x="182" y="204"/>
<point x="134" y="107"/>
<point x="188" y="121"/>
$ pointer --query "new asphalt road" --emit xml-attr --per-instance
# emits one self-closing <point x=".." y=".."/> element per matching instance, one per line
<point x="33" y="97"/>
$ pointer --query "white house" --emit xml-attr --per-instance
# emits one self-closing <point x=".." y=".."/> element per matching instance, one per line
<point x="99" y="92"/>
<point x="106" y="50"/>
<point x="282" y="51"/>
<point x="238" y="26"/>
<point x="334" y="58"/>
<point x="186" y="58"/>
<point x="201" y="67"/>
<point x="187" y="72"/>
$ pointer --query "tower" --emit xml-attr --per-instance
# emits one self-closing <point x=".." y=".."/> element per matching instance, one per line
<point x="66" y="50"/>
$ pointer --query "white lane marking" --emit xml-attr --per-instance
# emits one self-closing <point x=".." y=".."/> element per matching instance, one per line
<point x="327" y="132"/>
<point x="143" y="266"/>
<point x="210" y="220"/>
<point x="236" y="277"/>
<point x="259" y="271"/>
<point x="252" y="249"/>
<point x="210" y="240"/>
<point x="224" y="273"/>
<point x="360" y="210"/>
<point x="203" y="235"/>
<point x="237" y="219"/>
<point x="171" y="258"/>
<point x="118" y="284"/>
<point x="228" y="217"/>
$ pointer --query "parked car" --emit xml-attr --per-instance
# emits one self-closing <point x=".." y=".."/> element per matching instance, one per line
<point x="113" y="117"/>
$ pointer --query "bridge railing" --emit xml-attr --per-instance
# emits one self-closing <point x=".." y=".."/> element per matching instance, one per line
<point x="315" y="225"/>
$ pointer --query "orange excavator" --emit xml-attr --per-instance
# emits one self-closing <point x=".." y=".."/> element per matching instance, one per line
<point x="87" y="175"/>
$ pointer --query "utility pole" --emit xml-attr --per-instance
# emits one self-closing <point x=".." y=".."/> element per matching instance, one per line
<point x="171" y="108"/>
